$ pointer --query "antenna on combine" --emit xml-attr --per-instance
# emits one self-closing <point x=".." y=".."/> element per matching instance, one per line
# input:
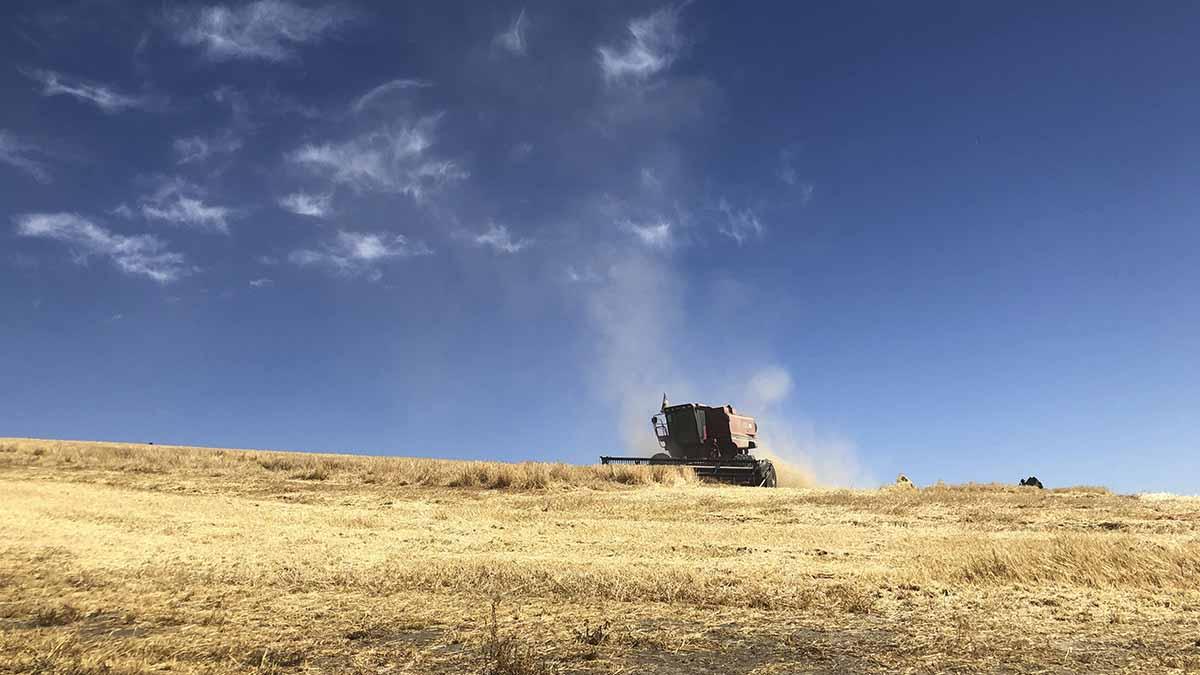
<point x="665" y="404"/>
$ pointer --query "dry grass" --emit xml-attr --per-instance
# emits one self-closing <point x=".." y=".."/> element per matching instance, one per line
<point x="120" y="558"/>
<point x="1116" y="562"/>
<point x="256" y="465"/>
<point x="508" y="654"/>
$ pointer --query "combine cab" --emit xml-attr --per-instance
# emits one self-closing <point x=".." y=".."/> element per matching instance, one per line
<point x="715" y="441"/>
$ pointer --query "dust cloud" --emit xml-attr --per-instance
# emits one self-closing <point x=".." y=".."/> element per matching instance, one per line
<point x="635" y="312"/>
<point x="632" y="311"/>
<point x="803" y="455"/>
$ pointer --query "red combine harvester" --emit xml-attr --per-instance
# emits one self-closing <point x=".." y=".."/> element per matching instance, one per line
<point x="715" y="441"/>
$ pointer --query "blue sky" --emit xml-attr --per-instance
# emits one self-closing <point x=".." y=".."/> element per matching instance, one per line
<point x="955" y="241"/>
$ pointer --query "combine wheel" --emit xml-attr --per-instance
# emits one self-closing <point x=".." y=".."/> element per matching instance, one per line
<point x="659" y="457"/>
<point x="768" y="475"/>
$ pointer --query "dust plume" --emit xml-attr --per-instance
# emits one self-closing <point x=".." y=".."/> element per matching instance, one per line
<point x="803" y="455"/>
<point x="634" y="312"/>
<point x="631" y="311"/>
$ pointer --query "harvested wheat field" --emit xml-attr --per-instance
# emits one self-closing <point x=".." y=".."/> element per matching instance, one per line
<point x="127" y="558"/>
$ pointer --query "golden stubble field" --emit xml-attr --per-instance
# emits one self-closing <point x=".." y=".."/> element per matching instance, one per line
<point x="127" y="558"/>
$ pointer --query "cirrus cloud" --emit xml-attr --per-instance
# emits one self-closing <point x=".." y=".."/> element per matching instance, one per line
<point x="195" y="149"/>
<point x="178" y="202"/>
<point x="653" y="44"/>
<point x="392" y="158"/>
<point x="21" y="155"/>
<point x="305" y="204"/>
<point x="513" y="39"/>
<point x="364" y="101"/>
<point x="142" y="255"/>
<point x="358" y="253"/>
<point x="102" y="96"/>
<point x="268" y="30"/>
<point x="653" y="235"/>
<point x="739" y="225"/>
<point x="500" y="240"/>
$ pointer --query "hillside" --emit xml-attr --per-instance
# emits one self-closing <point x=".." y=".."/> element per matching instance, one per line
<point x="127" y="558"/>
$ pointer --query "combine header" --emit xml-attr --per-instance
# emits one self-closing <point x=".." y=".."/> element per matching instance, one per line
<point x="715" y="441"/>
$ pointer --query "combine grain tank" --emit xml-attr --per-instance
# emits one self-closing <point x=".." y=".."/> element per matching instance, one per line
<point x="714" y="441"/>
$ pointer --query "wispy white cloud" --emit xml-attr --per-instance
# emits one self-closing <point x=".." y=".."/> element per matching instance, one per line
<point x="438" y="172"/>
<point x="739" y="225"/>
<point x="268" y="30"/>
<point x="357" y="253"/>
<point x="499" y="239"/>
<point x="653" y="44"/>
<point x="788" y="174"/>
<point x="384" y="89"/>
<point x="654" y="235"/>
<point x="261" y="283"/>
<point x="104" y="97"/>
<point x="513" y="39"/>
<point x="122" y="210"/>
<point x="389" y="159"/>
<point x="144" y="254"/>
<point x="584" y="275"/>
<point x="179" y="203"/>
<point x="198" y="148"/>
<point x="306" y="204"/>
<point x="650" y="180"/>
<point x="191" y="149"/>
<point x="21" y="155"/>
